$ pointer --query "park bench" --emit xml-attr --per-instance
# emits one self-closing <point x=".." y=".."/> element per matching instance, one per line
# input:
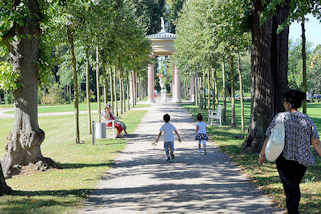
<point x="215" y="115"/>
<point x="110" y="131"/>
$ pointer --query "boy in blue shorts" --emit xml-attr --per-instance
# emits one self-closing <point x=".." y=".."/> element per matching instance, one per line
<point x="168" y="130"/>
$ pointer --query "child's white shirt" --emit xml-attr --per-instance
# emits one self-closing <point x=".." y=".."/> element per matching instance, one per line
<point x="201" y="127"/>
<point x="168" y="130"/>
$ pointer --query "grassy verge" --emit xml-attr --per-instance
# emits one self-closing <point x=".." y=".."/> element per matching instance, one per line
<point x="266" y="176"/>
<point x="6" y="105"/>
<point x="142" y="106"/>
<point x="59" y="191"/>
<point x="70" y="107"/>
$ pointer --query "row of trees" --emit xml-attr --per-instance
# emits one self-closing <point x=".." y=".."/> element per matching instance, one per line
<point x="44" y="42"/>
<point x="313" y="56"/>
<point x="212" y="36"/>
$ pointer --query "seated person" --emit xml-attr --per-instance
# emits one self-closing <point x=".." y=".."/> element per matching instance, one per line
<point x="108" y="115"/>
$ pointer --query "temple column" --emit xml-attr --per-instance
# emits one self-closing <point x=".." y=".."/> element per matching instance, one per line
<point x="192" y="90"/>
<point x="131" y="88"/>
<point x="173" y="82"/>
<point x="177" y="82"/>
<point x="151" y="83"/>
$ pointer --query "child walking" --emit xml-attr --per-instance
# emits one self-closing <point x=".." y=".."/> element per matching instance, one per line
<point x="168" y="130"/>
<point x="201" y="134"/>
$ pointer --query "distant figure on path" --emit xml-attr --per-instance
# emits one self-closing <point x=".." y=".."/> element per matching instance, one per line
<point x="300" y="133"/>
<point x="108" y="115"/>
<point x="201" y="134"/>
<point x="168" y="130"/>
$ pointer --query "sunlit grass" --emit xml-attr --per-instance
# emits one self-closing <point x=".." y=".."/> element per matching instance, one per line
<point x="62" y="190"/>
<point x="266" y="176"/>
<point x="68" y="107"/>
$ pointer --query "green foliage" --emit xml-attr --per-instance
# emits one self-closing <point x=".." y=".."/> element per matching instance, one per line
<point x="314" y="77"/>
<point x="207" y="30"/>
<point x="313" y="67"/>
<point x="54" y="95"/>
<point x="9" y="79"/>
<point x="175" y="7"/>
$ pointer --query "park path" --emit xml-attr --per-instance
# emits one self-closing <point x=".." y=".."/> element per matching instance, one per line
<point x="143" y="182"/>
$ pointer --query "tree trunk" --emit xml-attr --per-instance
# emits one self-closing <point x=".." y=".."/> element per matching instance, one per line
<point x="105" y="79"/>
<point x="269" y="64"/>
<point x="304" y="64"/>
<point x="111" y="74"/>
<point x="213" y="88"/>
<point x="128" y="91"/>
<point x="75" y="76"/>
<point x="224" y="91"/>
<point x="196" y="90"/>
<point x="208" y="89"/>
<point x="4" y="188"/>
<point x="241" y="92"/>
<point x="115" y="94"/>
<point x="25" y="138"/>
<point x="216" y="88"/>
<point x="134" y="89"/>
<point x="97" y="84"/>
<point x="232" y="92"/>
<point x="121" y="91"/>
<point x="87" y="89"/>
<point x="138" y="86"/>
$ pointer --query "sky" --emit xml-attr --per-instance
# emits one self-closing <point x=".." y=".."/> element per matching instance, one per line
<point x="312" y="31"/>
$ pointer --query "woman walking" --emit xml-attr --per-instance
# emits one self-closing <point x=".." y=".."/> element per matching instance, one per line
<point x="300" y="133"/>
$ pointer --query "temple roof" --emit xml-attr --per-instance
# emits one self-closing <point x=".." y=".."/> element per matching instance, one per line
<point x="162" y="36"/>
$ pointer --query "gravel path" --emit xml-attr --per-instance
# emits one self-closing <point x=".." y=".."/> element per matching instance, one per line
<point x="143" y="182"/>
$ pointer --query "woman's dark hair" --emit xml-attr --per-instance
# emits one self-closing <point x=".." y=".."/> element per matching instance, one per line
<point x="294" y="97"/>
<point x="199" y="117"/>
<point x="166" y="118"/>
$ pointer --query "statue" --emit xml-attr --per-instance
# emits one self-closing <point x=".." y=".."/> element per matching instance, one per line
<point x="163" y="25"/>
<point x="162" y="72"/>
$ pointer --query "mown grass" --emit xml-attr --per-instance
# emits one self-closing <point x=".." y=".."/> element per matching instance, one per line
<point x="266" y="176"/>
<point x="70" y="107"/>
<point x="142" y="105"/>
<point x="59" y="191"/>
<point x="6" y="105"/>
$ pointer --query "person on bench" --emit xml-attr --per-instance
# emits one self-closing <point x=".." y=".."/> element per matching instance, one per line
<point x="108" y="115"/>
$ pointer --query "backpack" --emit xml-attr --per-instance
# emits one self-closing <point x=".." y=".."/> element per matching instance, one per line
<point x="275" y="143"/>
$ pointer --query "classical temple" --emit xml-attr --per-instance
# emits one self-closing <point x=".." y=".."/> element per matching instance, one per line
<point x="163" y="44"/>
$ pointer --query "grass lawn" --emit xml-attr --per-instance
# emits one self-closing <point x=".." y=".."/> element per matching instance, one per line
<point x="6" y="105"/>
<point x="58" y="191"/>
<point x="70" y="107"/>
<point x="142" y="105"/>
<point x="266" y="176"/>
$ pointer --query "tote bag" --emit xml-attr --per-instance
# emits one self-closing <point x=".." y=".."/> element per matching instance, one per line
<point x="275" y="143"/>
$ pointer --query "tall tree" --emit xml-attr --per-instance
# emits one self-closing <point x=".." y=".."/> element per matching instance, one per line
<point x="270" y="75"/>
<point x="304" y="63"/>
<point x="21" y="34"/>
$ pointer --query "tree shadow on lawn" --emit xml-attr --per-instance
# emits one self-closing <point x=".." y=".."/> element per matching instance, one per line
<point x="312" y="203"/>
<point x="223" y="135"/>
<point x="31" y="203"/>
<point x="23" y="205"/>
<point x="83" y="165"/>
<point x="59" y="193"/>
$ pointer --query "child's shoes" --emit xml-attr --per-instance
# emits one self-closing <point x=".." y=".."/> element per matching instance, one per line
<point x="172" y="156"/>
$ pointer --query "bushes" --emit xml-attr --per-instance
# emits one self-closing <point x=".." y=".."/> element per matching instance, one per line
<point x="53" y="96"/>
